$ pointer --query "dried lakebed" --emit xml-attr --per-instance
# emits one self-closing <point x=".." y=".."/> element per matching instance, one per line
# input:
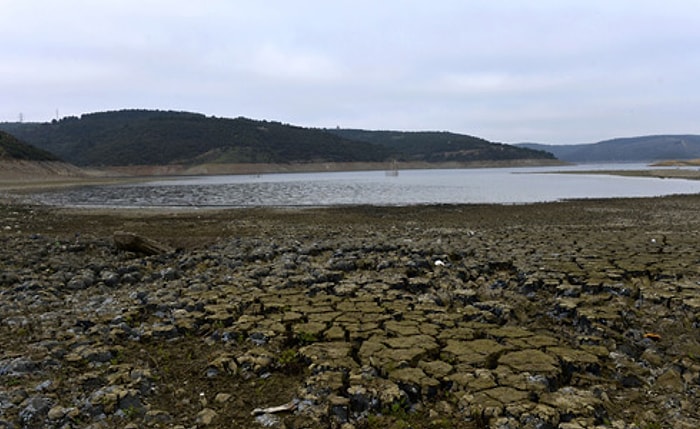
<point x="563" y="315"/>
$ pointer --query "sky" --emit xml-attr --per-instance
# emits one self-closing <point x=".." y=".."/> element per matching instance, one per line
<point x="547" y="71"/>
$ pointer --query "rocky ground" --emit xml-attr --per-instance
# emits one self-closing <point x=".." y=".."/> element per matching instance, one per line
<point x="564" y="315"/>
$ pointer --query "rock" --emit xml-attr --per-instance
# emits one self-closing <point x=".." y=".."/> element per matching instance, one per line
<point x="573" y="402"/>
<point x="532" y="361"/>
<point x="258" y="361"/>
<point x="81" y="281"/>
<point x="474" y="381"/>
<point x="157" y="417"/>
<point x="97" y="355"/>
<point x="576" y="360"/>
<point x="8" y="278"/>
<point x="482" y="352"/>
<point x="268" y="420"/>
<point x="221" y="398"/>
<point x="135" y="243"/>
<point x="415" y="383"/>
<point x="436" y="369"/>
<point x="57" y="413"/>
<point x="339" y="408"/>
<point x="670" y="381"/>
<point x="110" y="278"/>
<point x="332" y="355"/>
<point x="34" y="410"/>
<point x="206" y="417"/>
<point x="223" y="364"/>
<point x="17" y="366"/>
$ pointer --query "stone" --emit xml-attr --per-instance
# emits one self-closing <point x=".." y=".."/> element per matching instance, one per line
<point x="334" y="333"/>
<point x="257" y="360"/>
<point x="223" y="364"/>
<point x="573" y="402"/>
<point x="57" y="413"/>
<point x="309" y="332"/>
<point x="480" y="379"/>
<point x="131" y="242"/>
<point x="157" y="417"/>
<point x="477" y="352"/>
<point x="220" y="398"/>
<point x="507" y="395"/>
<point x="329" y="355"/>
<point x="670" y="381"/>
<point x="533" y="361"/>
<point x="206" y="417"/>
<point x="34" y="409"/>
<point x="437" y="369"/>
<point x="325" y="382"/>
<point x="415" y="383"/>
<point x="339" y="408"/>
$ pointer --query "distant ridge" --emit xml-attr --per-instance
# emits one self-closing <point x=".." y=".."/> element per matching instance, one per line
<point x="441" y="146"/>
<point x="631" y="149"/>
<point x="153" y="137"/>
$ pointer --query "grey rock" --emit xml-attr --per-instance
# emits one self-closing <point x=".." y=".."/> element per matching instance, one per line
<point x="17" y="366"/>
<point x="34" y="410"/>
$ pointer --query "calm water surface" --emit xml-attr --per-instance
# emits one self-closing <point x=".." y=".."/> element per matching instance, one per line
<point x="459" y="186"/>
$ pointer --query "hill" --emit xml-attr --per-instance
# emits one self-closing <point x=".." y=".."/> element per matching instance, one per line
<point x="146" y="137"/>
<point x="20" y="161"/>
<point x="12" y="148"/>
<point x="432" y="146"/>
<point x="151" y="137"/>
<point x="631" y="149"/>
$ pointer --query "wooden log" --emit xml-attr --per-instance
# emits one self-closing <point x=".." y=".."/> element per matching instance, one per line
<point x="135" y="243"/>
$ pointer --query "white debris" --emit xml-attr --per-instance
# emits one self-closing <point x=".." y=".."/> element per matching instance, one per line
<point x="289" y="406"/>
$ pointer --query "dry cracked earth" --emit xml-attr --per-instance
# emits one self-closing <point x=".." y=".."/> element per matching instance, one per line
<point x="576" y="314"/>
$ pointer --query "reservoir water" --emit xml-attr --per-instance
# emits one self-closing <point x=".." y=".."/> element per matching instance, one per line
<point x="408" y="187"/>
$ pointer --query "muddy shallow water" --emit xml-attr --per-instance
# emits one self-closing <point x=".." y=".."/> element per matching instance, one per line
<point x="408" y="187"/>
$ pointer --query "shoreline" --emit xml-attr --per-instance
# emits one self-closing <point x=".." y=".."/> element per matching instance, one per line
<point x="23" y="179"/>
<point x="26" y="177"/>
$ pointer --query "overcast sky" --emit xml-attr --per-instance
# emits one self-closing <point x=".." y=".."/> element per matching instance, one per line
<point x="550" y="71"/>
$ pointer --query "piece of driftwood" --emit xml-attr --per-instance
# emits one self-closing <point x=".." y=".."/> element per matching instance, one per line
<point x="135" y="243"/>
<point x="289" y="406"/>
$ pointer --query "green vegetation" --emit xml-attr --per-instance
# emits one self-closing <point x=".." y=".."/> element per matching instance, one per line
<point x="12" y="148"/>
<point x="144" y="137"/>
<point x="306" y="338"/>
<point x="433" y="146"/>
<point x="151" y="137"/>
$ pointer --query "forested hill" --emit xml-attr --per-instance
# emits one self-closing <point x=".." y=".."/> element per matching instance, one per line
<point x="151" y="137"/>
<point x="630" y="149"/>
<point x="145" y="137"/>
<point x="435" y="146"/>
<point x="13" y="149"/>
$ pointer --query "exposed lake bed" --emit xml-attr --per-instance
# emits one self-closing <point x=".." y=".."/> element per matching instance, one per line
<point x="532" y="315"/>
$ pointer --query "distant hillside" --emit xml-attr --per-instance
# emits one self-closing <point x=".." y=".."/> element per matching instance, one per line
<point x="441" y="146"/>
<point x="143" y="137"/>
<point x="632" y="149"/>
<point x="13" y="149"/>
<point x="148" y="137"/>
<point x="25" y="163"/>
